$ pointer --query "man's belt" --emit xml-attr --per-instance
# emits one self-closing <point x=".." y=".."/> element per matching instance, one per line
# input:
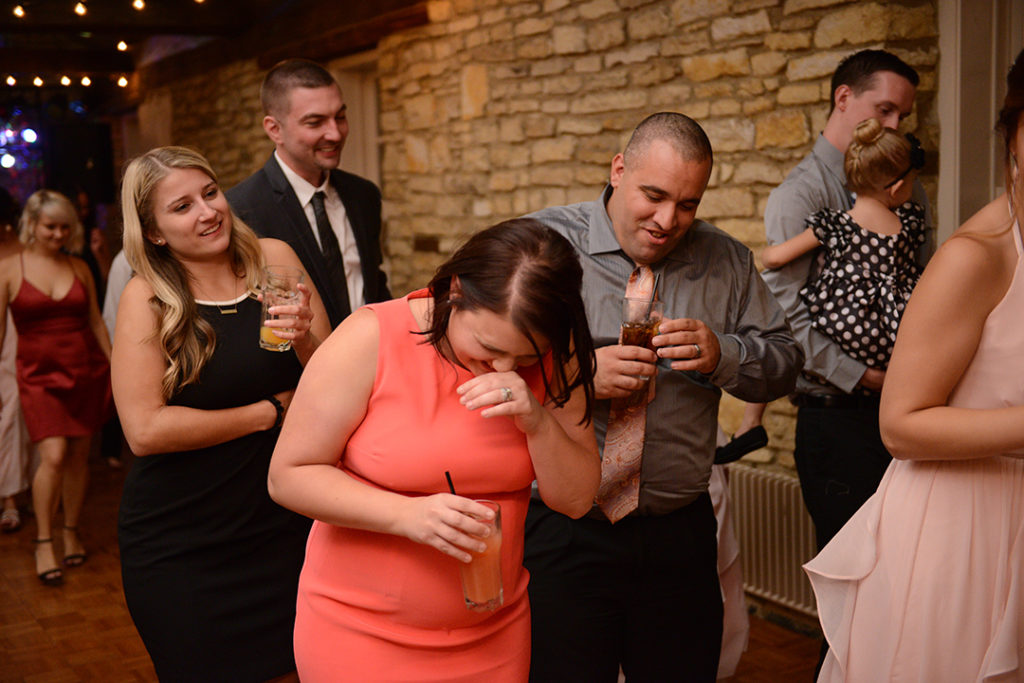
<point x="840" y="401"/>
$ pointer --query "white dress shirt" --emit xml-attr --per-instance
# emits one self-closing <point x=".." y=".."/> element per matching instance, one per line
<point x="338" y="217"/>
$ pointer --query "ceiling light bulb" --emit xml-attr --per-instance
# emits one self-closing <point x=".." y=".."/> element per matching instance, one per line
<point x="123" y="82"/>
<point x="11" y="80"/>
<point x="37" y="81"/>
<point x="122" y="46"/>
<point x="138" y="4"/>
<point x="86" y="81"/>
<point x="64" y="80"/>
<point x="19" y="11"/>
<point x="80" y="9"/>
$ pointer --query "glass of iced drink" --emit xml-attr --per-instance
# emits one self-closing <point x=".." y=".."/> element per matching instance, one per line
<point x="280" y="288"/>
<point x="481" y="578"/>
<point x="640" y="320"/>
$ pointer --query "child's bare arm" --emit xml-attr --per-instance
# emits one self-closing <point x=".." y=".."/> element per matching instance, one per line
<point x="778" y="255"/>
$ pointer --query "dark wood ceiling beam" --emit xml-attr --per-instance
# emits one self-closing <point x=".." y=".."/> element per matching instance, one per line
<point x="174" y="17"/>
<point x="120" y="30"/>
<point x="20" y="60"/>
<point x="347" y="39"/>
<point x="326" y="31"/>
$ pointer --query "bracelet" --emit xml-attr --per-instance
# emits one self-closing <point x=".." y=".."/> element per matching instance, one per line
<point x="280" y="411"/>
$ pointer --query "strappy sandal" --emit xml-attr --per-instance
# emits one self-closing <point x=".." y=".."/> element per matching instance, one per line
<point x="74" y="559"/>
<point x="51" y="577"/>
<point x="10" y="520"/>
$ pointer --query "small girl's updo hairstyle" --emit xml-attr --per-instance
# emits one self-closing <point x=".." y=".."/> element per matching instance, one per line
<point x="879" y="157"/>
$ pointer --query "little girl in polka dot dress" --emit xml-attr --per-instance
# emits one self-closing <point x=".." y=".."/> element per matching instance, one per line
<point x="857" y="296"/>
<point x="869" y="270"/>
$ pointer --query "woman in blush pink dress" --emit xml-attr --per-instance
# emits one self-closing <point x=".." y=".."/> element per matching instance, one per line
<point x="926" y="581"/>
<point x="487" y="374"/>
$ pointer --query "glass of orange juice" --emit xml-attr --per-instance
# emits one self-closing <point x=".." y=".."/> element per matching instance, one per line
<point x="279" y="289"/>
<point x="481" y="577"/>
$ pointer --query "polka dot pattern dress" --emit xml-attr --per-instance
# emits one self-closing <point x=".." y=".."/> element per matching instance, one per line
<point x="858" y="296"/>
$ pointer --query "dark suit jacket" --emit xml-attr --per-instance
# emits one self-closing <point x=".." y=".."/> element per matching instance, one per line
<point x="267" y="203"/>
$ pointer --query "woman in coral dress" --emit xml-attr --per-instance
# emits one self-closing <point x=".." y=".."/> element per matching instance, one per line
<point x="486" y="375"/>
<point x="63" y="367"/>
<point x="926" y="581"/>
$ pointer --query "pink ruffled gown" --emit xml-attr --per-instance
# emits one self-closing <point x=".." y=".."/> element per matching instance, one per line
<point x="926" y="581"/>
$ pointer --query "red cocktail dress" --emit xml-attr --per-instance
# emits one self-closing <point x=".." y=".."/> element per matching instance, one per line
<point x="63" y="374"/>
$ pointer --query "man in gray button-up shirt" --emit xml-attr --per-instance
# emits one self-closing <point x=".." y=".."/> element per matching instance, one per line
<point x="839" y="452"/>
<point x="644" y="593"/>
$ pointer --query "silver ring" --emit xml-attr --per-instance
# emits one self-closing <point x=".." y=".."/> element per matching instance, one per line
<point x="506" y="394"/>
<point x="696" y="350"/>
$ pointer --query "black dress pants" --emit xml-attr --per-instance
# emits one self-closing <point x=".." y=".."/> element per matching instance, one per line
<point x="840" y="459"/>
<point x="642" y="593"/>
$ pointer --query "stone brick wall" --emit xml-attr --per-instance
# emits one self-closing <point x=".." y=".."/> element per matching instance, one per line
<point x="219" y="113"/>
<point x="500" y="107"/>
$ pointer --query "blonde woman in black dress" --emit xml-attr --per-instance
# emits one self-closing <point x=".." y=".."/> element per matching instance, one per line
<point x="210" y="564"/>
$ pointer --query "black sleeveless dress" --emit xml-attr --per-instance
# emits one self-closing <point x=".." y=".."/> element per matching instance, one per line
<point x="210" y="563"/>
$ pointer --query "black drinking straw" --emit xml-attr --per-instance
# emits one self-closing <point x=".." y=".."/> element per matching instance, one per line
<point x="451" y="486"/>
<point x="654" y="294"/>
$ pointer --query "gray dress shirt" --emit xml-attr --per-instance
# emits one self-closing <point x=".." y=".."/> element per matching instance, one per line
<point x="708" y="276"/>
<point x="818" y="182"/>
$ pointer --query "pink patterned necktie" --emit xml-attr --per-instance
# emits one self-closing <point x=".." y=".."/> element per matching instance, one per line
<point x="619" y="492"/>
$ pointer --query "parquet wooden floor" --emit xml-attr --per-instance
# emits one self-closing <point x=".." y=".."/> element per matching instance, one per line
<point x="82" y="631"/>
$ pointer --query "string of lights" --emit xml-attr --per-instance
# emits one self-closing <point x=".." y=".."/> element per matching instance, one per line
<point x="24" y="10"/>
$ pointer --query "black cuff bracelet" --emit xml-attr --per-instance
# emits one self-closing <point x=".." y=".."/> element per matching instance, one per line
<point x="280" y="411"/>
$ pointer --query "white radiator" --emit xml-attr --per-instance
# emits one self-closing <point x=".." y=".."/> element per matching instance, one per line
<point x="775" y="534"/>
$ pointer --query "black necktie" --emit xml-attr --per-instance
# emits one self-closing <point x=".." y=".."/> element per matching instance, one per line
<point x="332" y="255"/>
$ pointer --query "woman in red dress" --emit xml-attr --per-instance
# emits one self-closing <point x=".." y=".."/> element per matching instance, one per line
<point x="63" y="366"/>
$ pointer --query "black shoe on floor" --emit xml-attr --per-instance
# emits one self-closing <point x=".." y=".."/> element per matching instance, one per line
<point x="747" y="442"/>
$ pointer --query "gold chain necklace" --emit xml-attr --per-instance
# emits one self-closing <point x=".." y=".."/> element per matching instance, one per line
<point x="234" y="303"/>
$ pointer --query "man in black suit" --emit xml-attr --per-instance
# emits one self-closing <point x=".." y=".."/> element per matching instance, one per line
<point x="329" y="217"/>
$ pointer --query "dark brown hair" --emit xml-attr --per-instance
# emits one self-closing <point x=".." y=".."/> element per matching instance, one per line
<point x="1007" y="125"/>
<point x="859" y="69"/>
<point x="284" y="77"/>
<point x="528" y="273"/>
<point x="683" y="133"/>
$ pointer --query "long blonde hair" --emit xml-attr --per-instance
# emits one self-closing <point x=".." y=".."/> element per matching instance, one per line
<point x="186" y="339"/>
<point x="53" y="203"/>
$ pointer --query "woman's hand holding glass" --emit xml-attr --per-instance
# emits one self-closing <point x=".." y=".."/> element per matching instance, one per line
<point x="292" y="321"/>
<point x="445" y="522"/>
